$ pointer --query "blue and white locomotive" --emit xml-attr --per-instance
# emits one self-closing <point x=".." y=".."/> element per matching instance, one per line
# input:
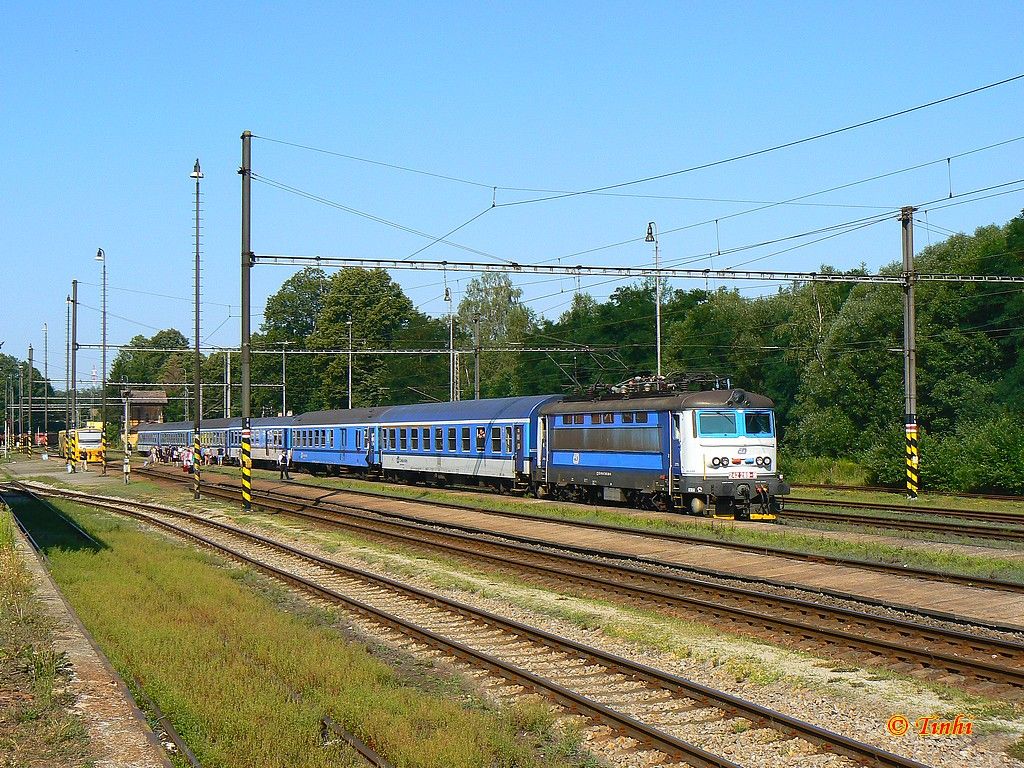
<point x="700" y="452"/>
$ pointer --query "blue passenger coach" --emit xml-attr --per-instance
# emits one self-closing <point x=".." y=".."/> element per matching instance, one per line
<point x="485" y="442"/>
<point x="335" y="441"/>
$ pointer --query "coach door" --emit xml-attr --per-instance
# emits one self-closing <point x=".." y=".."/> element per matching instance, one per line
<point x="517" y="447"/>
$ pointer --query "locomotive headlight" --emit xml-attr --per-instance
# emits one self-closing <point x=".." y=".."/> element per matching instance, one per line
<point x="767" y="462"/>
<point x="716" y="463"/>
<point x="759" y="461"/>
<point x="725" y="461"/>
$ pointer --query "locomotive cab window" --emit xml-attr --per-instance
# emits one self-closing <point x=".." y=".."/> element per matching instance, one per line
<point x="758" y="423"/>
<point x="717" y="423"/>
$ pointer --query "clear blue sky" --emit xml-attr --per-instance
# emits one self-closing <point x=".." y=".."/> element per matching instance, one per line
<point x="105" y="106"/>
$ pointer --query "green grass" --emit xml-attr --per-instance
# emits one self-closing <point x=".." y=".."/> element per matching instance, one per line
<point x="36" y="725"/>
<point x="823" y="470"/>
<point x="223" y="660"/>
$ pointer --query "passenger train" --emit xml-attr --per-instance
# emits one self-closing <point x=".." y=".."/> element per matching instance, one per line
<point x="703" y="452"/>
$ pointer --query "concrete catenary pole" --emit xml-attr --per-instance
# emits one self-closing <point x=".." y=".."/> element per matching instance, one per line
<point x="31" y="365"/>
<point x="196" y="442"/>
<point x="67" y="365"/>
<point x="46" y="380"/>
<point x="246" y="459"/>
<point x="910" y="355"/>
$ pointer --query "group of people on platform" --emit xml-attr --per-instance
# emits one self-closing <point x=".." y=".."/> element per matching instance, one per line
<point x="184" y="455"/>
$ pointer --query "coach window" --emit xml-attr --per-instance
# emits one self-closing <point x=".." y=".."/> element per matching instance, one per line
<point x="595" y="418"/>
<point x="465" y="439"/>
<point x="451" y="439"/>
<point x="393" y="441"/>
<point x="439" y="438"/>
<point x="403" y="440"/>
<point x="481" y="439"/>
<point x="627" y="418"/>
<point x="496" y="439"/>
<point x="508" y="439"/>
<point x="414" y="435"/>
<point x="608" y="418"/>
<point x="426" y="438"/>
<point x="567" y="418"/>
<point x="577" y="418"/>
<point x="641" y="417"/>
<point x="359" y="439"/>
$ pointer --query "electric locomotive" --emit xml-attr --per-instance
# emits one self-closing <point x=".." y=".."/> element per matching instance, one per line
<point x="652" y="446"/>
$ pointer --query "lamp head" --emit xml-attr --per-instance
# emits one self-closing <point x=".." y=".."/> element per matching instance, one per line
<point x="100" y="255"/>
<point x="650" y="233"/>
<point x="196" y="173"/>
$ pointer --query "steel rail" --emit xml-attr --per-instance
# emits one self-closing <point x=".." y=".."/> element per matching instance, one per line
<point x="570" y="567"/>
<point x="682" y="538"/>
<point x="731" y="706"/>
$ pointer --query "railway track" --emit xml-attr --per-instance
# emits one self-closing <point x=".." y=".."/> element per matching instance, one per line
<point x="657" y="709"/>
<point x="798" y="621"/>
<point x="901" y="523"/>
<point x="976" y="515"/>
<point x="233" y="484"/>
<point x="902" y="491"/>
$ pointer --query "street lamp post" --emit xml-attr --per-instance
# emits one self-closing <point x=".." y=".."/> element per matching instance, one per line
<point x="349" y="323"/>
<point x="652" y="237"/>
<point x="284" y="378"/>
<point x="46" y="381"/>
<point x="451" y="346"/>
<point x="102" y="258"/>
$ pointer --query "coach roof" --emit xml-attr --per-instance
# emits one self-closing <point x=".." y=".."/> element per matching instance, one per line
<point x="341" y="416"/>
<point x="468" y="410"/>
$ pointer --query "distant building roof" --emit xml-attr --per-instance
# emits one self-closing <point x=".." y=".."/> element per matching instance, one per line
<point x="146" y="396"/>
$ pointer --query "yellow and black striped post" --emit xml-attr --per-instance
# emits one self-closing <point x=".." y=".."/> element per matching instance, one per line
<point x="913" y="462"/>
<point x="73" y="448"/>
<point x="103" y="450"/>
<point x="197" y="458"/>
<point x="246" y="461"/>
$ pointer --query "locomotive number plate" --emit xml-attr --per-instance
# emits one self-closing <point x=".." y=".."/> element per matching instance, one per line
<point x="743" y="474"/>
